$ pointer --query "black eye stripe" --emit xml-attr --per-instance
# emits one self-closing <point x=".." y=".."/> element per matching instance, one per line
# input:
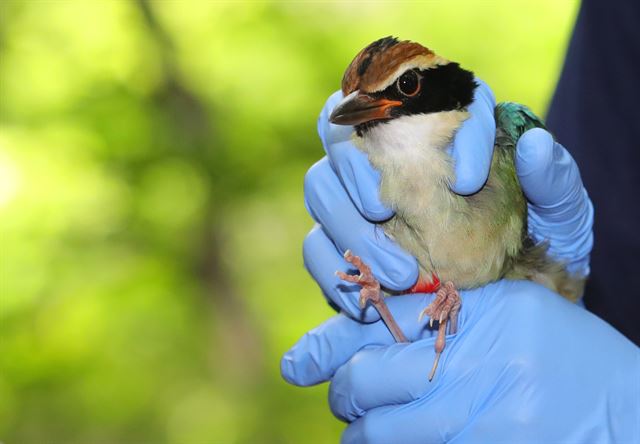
<point x="443" y="88"/>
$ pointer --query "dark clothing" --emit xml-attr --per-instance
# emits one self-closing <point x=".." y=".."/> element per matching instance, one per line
<point x="595" y="114"/>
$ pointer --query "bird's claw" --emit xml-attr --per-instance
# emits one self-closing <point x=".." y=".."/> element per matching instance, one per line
<point x="444" y="308"/>
<point x="371" y="291"/>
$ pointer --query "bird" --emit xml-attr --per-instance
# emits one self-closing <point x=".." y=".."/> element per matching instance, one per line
<point x="406" y="104"/>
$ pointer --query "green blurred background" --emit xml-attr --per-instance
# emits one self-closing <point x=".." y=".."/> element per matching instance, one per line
<point x="151" y="216"/>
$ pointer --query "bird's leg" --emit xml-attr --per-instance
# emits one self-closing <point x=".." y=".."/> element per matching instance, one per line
<point x="444" y="309"/>
<point x="371" y="292"/>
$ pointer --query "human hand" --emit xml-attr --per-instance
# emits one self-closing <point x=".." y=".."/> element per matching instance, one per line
<point x="560" y="211"/>
<point x="525" y="366"/>
<point x="341" y="194"/>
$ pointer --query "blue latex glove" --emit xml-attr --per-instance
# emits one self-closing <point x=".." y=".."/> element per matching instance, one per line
<point x="341" y="194"/>
<point x="560" y="211"/>
<point x="525" y="366"/>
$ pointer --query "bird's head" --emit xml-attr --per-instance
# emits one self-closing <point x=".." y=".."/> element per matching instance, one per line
<point x="390" y="78"/>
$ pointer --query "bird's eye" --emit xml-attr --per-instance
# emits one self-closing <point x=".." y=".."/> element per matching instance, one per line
<point x="408" y="83"/>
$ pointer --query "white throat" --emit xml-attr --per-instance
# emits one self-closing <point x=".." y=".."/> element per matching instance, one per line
<point x="411" y="154"/>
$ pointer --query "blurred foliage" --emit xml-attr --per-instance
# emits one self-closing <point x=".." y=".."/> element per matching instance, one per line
<point x="151" y="216"/>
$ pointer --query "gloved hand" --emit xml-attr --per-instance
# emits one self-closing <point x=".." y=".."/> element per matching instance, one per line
<point x="525" y="366"/>
<point x="341" y="194"/>
<point x="560" y="211"/>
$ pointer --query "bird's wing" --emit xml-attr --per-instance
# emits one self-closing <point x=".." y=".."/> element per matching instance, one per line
<point x="514" y="119"/>
<point x="532" y="262"/>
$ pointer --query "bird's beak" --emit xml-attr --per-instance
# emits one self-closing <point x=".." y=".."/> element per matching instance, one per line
<point x="359" y="108"/>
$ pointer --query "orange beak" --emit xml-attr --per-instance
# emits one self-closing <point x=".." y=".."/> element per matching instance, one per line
<point x="359" y="108"/>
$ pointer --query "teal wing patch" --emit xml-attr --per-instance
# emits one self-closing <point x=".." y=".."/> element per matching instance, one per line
<point x="514" y="119"/>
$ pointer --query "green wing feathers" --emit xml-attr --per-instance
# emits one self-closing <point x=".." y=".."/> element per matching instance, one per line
<point x="532" y="262"/>
<point x="515" y="119"/>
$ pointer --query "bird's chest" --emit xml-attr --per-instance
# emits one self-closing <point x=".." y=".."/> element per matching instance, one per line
<point x="450" y="239"/>
<point x="435" y="227"/>
<point x="457" y="238"/>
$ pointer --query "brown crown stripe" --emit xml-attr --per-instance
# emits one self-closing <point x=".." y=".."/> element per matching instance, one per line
<point x="379" y="60"/>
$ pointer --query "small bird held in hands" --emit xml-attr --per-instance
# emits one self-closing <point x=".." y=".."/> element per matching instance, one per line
<point x="406" y="104"/>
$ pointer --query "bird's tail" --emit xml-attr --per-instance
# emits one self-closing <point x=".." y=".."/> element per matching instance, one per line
<point x="534" y="264"/>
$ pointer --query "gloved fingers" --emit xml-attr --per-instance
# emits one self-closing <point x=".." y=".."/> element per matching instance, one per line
<point x="329" y="205"/>
<point x="560" y="210"/>
<point x="320" y="352"/>
<point x="378" y="375"/>
<point x="381" y="376"/>
<point x="328" y="132"/>
<point x="548" y="174"/>
<point x="360" y="179"/>
<point x="322" y="260"/>
<point x="473" y="144"/>
<point x="400" y="424"/>
<point x="352" y="166"/>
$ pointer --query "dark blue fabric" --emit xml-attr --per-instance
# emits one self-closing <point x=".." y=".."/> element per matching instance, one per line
<point x="595" y="114"/>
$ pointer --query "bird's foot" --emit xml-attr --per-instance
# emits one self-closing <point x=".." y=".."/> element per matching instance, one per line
<point x="370" y="286"/>
<point x="371" y="292"/>
<point x="444" y="309"/>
